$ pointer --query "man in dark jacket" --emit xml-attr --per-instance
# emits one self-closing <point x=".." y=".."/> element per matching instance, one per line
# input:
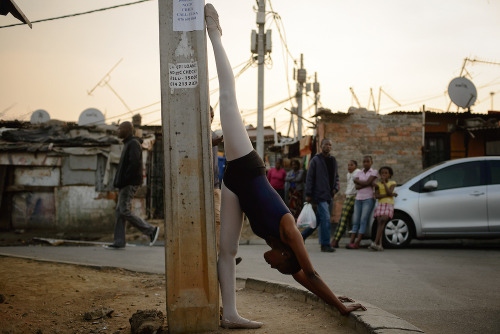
<point x="128" y="179"/>
<point x="322" y="183"/>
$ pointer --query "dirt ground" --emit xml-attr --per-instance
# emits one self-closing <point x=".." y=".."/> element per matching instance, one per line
<point x="42" y="297"/>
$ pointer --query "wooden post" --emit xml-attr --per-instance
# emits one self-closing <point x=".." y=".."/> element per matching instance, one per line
<point x="190" y="251"/>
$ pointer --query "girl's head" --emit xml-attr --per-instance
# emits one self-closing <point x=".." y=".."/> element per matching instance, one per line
<point x="385" y="172"/>
<point x="367" y="162"/>
<point x="283" y="259"/>
<point x="295" y="164"/>
<point x="352" y="165"/>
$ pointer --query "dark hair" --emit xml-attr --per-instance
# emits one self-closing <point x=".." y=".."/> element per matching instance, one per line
<point x="354" y="162"/>
<point x="389" y="169"/>
<point x="295" y="161"/>
<point x="292" y="265"/>
<point x="369" y="157"/>
<point x="323" y="140"/>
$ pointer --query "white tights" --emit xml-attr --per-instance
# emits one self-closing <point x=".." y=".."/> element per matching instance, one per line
<point x="236" y="145"/>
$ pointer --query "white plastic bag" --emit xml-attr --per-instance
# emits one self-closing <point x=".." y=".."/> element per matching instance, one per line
<point x="307" y="217"/>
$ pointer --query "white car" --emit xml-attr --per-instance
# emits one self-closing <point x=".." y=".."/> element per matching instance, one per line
<point x="455" y="199"/>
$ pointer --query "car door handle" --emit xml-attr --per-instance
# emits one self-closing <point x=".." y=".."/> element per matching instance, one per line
<point x="477" y="194"/>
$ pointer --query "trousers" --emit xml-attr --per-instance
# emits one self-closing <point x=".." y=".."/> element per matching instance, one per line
<point x="323" y="211"/>
<point x="124" y="214"/>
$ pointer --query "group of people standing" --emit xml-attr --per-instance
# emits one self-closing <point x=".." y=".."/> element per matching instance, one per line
<point x="292" y="182"/>
<point x="364" y="187"/>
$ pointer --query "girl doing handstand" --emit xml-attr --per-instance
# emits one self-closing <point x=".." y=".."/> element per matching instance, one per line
<point x="245" y="188"/>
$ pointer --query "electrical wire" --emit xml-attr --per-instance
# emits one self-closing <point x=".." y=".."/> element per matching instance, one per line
<point x="77" y="14"/>
<point x="286" y="54"/>
<point x="277" y="17"/>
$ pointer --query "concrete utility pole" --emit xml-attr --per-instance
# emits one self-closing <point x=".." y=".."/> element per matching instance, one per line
<point x="316" y="100"/>
<point x="316" y="92"/>
<point x="301" y="79"/>
<point x="261" y="20"/>
<point x="190" y="253"/>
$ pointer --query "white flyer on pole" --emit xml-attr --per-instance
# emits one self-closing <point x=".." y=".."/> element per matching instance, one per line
<point x="183" y="75"/>
<point x="188" y="15"/>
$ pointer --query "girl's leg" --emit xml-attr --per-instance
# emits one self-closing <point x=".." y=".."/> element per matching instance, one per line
<point x="345" y="216"/>
<point x="236" y="145"/>
<point x="381" y="221"/>
<point x="231" y="223"/>
<point x="355" y="220"/>
<point x="236" y="141"/>
<point x="366" y="210"/>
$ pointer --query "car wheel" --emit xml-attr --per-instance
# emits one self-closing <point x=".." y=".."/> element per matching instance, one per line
<point x="398" y="231"/>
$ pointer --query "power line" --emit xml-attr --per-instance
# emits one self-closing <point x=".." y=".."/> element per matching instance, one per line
<point x="277" y="20"/>
<point x="77" y="14"/>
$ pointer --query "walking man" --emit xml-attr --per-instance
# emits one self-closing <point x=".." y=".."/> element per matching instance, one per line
<point x="128" y="179"/>
<point x="322" y="183"/>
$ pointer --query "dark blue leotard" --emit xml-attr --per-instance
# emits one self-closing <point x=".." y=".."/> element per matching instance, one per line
<point x="246" y="177"/>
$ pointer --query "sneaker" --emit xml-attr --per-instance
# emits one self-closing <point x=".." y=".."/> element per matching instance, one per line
<point x="212" y="13"/>
<point x="154" y="236"/>
<point x="238" y="260"/>
<point x="327" y="249"/>
<point x="375" y="247"/>
<point x="113" y="246"/>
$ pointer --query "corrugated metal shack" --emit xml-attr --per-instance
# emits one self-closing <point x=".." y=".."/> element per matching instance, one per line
<point x="58" y="176"/>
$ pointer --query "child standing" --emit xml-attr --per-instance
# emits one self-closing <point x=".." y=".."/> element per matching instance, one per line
<point x="384" y="193"/>
<point x="348" y="206"/>
<point x="364" y="203"/>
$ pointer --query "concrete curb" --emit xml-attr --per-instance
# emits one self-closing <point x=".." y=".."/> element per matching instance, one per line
<point x="372" y="321"/>
<point x="73" y="263"/>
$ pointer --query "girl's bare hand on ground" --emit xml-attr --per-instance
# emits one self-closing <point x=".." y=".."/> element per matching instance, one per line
<point x="353" y="307"/>
<point x="345" y="299"/>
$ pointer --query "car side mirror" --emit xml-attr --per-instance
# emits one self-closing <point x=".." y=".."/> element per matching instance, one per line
<point x="431" y="185"/>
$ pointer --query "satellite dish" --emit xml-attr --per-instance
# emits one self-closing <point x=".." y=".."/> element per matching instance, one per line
<point x="462" y="92"/>
<point x="91" y="116"/>
<point x="39" y="116"/>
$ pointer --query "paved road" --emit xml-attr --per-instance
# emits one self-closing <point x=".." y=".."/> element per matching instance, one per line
<point x="440" y="287"/>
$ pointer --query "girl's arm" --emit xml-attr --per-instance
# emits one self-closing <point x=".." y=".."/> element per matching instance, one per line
<point x="356" y="183"/>
<point x="390" y="192"/>
<point x="378" y="195"/>
<point x="294" y="177"/>
<point x="366" y="183"/>
<point x="307" y="276"/>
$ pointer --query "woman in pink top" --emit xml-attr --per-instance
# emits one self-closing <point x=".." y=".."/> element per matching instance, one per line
<point x="276" y="177"/>
<point x="363" y="206"/>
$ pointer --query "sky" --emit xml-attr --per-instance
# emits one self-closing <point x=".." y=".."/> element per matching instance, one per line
<point x="412" y="49"/>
